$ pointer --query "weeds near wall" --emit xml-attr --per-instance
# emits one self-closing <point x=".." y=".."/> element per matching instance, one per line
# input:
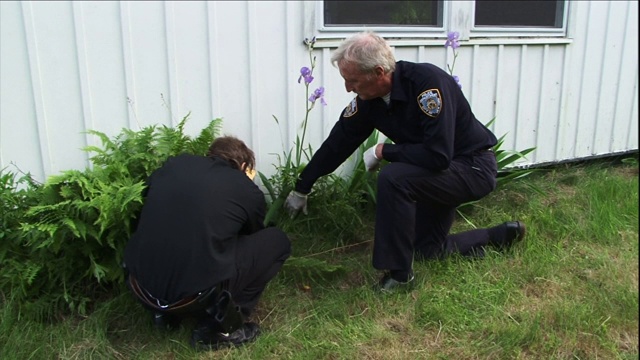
<point x="336" y="201"/>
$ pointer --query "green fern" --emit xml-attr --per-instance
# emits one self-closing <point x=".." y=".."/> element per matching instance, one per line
<point x="86" y="215"/>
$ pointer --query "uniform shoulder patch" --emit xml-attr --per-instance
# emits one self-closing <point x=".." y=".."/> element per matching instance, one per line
<point x="430" y="102"/>
<point x="351" y="109"/>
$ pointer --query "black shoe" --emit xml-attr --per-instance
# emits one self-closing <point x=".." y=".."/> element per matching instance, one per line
<point x="506" y="234"/>
<point x="204" y="338"/>
<point x="387" y="284"/>
<point x="515" y="232"/>
<point x="164" y="321"/>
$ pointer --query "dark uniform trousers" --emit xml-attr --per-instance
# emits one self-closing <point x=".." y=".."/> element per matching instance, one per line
<point x="259" y="257"/>
<point x="416" y="208"/>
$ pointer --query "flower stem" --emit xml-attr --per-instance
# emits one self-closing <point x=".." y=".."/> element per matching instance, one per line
<point x="299" y="148"/>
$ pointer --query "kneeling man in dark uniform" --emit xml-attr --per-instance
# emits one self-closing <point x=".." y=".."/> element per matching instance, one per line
<point x="200" y="248"/>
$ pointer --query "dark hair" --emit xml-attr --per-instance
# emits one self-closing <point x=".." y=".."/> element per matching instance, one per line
<point x="233" y="150"/>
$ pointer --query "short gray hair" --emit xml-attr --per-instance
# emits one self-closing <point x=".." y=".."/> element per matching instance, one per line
<point x="366" y="50"/>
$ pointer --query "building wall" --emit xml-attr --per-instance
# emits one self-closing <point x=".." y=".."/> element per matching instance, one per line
<point x="68" y="67"/>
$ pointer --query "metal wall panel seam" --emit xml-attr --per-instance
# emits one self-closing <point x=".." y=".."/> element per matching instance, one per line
<point x="324" y="116"/>
<point x="125" y="26"/>
<point x="289" y="123"/>
<point x="447" y="59"/>
<point x="36" y="83"/>
<point x="564" y="95"/>
<point x="521" y="91"/>
<point x="214" y="65"/>
<point x="594" y="137"/>
<point x="172" y="65"/>
<point x="581" y="80"/>
<point x="473" y="76"/>
<point x="498" y="86"/>
<point x="84" y="77"/>
<point x="254" y="79"/>
<point x="541" y="98"/>
<point x="616" y="116"/>
<point x="421" y="53"/>
<point x="633" y="117"/>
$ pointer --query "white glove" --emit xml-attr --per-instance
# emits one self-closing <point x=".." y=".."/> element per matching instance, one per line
<point x="295" y="202"/>
<point x="371" y="161"/>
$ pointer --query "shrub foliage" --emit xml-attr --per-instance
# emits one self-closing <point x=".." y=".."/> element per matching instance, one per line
<point x="63" y="241"/>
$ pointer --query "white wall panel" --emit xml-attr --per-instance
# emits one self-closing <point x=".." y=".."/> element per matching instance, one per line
<point x="68" y="67"/>
<point x="147" y="43"/>
<point x="625" y="117"/>
<point x="234" y="79"/>
<point x="101" y="67"/>
<point x="19" y="136"/>
<point x="507" y="99"/>
<point x="592" y="82"/>
<point x="188" y="70"/>
<point x="53" y="60"/>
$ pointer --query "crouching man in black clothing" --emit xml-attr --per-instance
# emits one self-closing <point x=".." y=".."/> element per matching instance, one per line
<point x="200" y="248"/>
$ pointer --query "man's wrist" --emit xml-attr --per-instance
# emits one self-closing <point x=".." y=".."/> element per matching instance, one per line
<point x="378" y="151"/>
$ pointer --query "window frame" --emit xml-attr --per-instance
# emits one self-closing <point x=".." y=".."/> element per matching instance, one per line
<point x="423" y="35"/>
<point x="512" y="31"/>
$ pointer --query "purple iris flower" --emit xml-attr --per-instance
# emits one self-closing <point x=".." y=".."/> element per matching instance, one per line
<point x="318" y="94"/>
<point x="452" y="40"/>
<point x="305" y="73"/>
<point x="457" y="79"/>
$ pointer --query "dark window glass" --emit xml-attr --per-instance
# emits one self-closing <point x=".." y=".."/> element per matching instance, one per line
<point x="543" y="13"/>
<point x="383" y="13"/>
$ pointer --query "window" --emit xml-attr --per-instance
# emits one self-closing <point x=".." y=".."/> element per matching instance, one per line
<point x="383" y="13"/>
<point x="545" y="14"/>
<point x="427" y="21"/>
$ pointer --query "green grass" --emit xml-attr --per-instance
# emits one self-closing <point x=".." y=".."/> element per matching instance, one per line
<point x="569" y="291"/>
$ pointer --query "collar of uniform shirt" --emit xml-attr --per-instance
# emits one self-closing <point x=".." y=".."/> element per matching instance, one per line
<point x="387" y="98"/>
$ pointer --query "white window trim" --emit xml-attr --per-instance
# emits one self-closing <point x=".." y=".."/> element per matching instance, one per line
<point x="485" y="31"/>
<point x="457" y="16"/>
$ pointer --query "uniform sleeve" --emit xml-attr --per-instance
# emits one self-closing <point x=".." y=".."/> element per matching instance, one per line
<point x="434" y="106"/>
<point x="347" y="134"/>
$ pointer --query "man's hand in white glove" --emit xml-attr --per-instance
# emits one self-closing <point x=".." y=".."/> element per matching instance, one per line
<point x="295" y="202"/>
<point x="371" y="161"/>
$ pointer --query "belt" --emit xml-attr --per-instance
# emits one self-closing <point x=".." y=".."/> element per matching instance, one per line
<point x="159" y="304"/>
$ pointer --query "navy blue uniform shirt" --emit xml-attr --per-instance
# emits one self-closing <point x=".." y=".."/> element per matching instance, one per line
<point x="428" y="119"/>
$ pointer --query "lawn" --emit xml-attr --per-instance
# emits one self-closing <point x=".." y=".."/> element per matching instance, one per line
<point x="568" y="291"/>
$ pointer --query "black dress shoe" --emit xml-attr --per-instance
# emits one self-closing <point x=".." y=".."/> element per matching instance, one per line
<point x="515" y="232"/>
<point x="387" y="284"/>
<point x="205" y="338"/>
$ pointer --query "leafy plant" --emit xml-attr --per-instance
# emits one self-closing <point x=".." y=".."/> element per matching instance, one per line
<point x="291" y="164"/>
<point x="17" y="195"/>
<point x="74" y="235"/>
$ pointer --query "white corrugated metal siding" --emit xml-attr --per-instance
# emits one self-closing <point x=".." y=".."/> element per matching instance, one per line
<point x="68" y="67"/>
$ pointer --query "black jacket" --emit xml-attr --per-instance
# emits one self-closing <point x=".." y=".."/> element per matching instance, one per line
<point x="429" y="120"/>
<point x="194" y="210"/>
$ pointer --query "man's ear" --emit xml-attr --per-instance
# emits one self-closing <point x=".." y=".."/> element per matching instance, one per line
<point x="243" y="166"/>
<point x="379" y="71"/>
